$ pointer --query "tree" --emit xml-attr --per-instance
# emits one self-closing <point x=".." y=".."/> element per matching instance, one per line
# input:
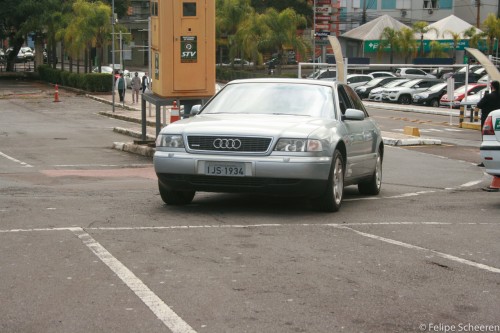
<point x="230" y="16"/>
<point x="456" y="37"/>
<point x="423" y="27"/>
<point x="301" y="7"/>
<point x="281" y="33"/>
<point x="437" y="49"/>
<point x="389" y="39"/>
<point x="491" y="30"/>
<point x="473" y="36"/>
<point x="407" y="43"/>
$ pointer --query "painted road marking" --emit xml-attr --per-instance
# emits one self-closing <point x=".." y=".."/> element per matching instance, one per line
<point x="154" y="303"/>
<point x="418" y="248"/>
<point x="14" y="160"/>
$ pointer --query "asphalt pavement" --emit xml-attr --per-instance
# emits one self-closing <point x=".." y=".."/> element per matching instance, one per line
<point x="130" y="112"/>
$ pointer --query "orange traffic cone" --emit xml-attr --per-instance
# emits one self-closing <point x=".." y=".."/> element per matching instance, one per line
<point x="495" y="185"/>
<point x="174" y="113"/>
<point x="56" y="94"/>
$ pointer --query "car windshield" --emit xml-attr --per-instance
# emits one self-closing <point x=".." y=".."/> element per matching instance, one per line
<point x="375" y="82"/>
<point x="410" y="83"/>
<point x="437" y="87"/>
<point x="395" y="83"/>
<point x="274" y="98"/>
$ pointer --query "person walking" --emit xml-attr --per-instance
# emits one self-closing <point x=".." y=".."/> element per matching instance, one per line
<point x="145" y="82"/>
<point x="136" y="86"/>
<point x="488" y="103"/>
<point x="121" y="88"/>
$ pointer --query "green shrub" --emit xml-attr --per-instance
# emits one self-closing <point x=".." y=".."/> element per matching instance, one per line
<point x="98" y="82"/>
<point x="93" y="82"/>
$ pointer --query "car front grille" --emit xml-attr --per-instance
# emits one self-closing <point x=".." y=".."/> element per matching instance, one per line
<point x="229" y="143"/>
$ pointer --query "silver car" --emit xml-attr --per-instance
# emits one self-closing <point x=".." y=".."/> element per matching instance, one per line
<point x="286" y="137"/>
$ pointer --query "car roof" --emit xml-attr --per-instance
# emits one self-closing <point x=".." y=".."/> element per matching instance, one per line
<point x="286" y="80"/>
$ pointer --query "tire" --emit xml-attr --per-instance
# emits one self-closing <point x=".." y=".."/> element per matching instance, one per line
<point x="405" y="99"/>
<point x="331" y="200"/>
<point x="435" y="103"/>
<point x="373" y="186"/>
<point x="175" y="197"/>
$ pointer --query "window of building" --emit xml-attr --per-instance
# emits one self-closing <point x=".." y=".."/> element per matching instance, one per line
<point x="154" y="8"/>
<point x="189" y="9"/>
<point x="388" y="4"/>
<point x="446" y="4"/>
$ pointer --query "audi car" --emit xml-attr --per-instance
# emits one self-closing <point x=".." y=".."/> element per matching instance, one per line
<point x="282" y="137"/>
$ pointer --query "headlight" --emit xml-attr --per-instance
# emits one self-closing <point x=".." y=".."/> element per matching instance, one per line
<point x="424" y="95"/>
<point x="362" y="90"/>
<point x="169" y="141"/>
<point x="298" y="145"/>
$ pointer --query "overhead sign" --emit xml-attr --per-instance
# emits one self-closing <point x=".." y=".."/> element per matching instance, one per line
<point x="323" y="18"/>
<point x="322" y="33"/>
<point x="323" y="10"/>
<point x="322" y="27"/>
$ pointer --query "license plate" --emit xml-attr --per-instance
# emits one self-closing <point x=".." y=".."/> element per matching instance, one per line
<point x="497" y="124"/>
<point x="233" y="169"/>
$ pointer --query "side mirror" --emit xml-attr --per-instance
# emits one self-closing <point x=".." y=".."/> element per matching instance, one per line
<point x="354" y="114"/>
<point x="195" y="109"/>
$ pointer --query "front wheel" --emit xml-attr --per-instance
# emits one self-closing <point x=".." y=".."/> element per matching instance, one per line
<point x="435" y="103"/>
<point x="175" y="197"/>
<point x="405" y="99"/>
<point x="373" y="186"/>
<point x="331" y="200"/>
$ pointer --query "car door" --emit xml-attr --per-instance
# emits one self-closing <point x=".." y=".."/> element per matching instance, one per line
<point x="361" y="136"/>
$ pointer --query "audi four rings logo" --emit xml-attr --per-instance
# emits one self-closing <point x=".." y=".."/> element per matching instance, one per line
<point x="227" y="143"/>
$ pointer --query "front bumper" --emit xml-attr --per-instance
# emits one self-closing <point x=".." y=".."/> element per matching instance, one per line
<point x="283" y="175"/>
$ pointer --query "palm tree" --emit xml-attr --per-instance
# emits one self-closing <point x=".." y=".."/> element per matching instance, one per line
<point x="231" y="14"/>
<point x="456" y="37"/>
<point x="248" y="36"/>
<point x="423" y="27"/>
<point x="281" y="33"/>
<point x="407" y="43"/>
<point x="389" y="39"/>
<point x="491" y="30"/>
<point x="437" y="49"/>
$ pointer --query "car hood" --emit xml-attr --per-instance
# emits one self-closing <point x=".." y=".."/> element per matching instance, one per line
<point x="246" y="124"/>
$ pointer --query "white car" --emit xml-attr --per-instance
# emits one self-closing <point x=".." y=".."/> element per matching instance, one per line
<point x="376" y="94"/>
<point x="382" y="74"/>
<point x="413" y="73"/>
<point x="353" y="80"/>
<point x="403" y="94"/>
<point x="490" y="146"/>
<point x="323" y="74"/>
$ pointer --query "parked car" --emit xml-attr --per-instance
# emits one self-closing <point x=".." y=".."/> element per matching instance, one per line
<point x="432" y="95"/>
<point x="353" y="80"/>
<point x="284" y="137"/>
<point x="382" y="74"/>
<point x="461" y="77"/>
<point x="460" y="93"/>
<point x="364" y="90"/>
<point x="474" y="99"/>
<point x="25" y="54"/>
<point x="463" y="69"/>
<point x="237" y="63"/>
<point x="413" y="73"/>
<point x="2" y="56"/>
<point x="323" y="74"/>
<point x="490" y="146"/>
<point x="376" y="94"/>
<point x="403" y="94"/>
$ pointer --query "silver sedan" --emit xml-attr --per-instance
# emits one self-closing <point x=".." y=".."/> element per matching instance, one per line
<point x="286" y="137"/>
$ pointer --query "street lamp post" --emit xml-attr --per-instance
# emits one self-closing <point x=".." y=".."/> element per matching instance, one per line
<point x="113" y="52"/>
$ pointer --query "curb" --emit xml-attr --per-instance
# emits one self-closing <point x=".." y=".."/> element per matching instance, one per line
<point x="135" y="149"/>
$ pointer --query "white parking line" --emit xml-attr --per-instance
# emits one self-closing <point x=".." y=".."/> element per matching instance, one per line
<point x="414" y="247"/>
<point x="14" y="160"/>
<point x="155" y="304"/>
